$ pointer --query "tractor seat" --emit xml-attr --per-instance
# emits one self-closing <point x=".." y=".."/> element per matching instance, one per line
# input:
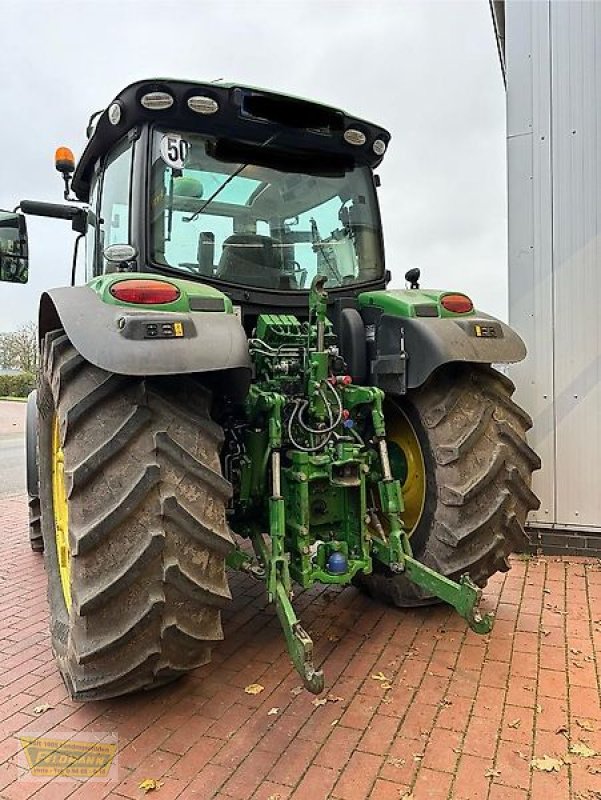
<point x="250" y="259"/>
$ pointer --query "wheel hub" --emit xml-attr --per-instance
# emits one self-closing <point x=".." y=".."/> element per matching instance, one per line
<point x="406" y="462"/>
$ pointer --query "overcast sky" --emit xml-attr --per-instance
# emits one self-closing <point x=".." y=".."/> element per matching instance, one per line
<point x="427" y="71"/>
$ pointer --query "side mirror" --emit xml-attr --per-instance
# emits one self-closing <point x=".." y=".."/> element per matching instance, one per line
<point x="14" y="259"/>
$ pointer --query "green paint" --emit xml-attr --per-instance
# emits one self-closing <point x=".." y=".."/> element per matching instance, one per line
<point x="463" y="596"/>
<point x="402" y="302"/>
<point x="236" y="559"/>
<point x="188" y="290"/>
<point x="306" y="495"/>
<point x="300" y="644"/>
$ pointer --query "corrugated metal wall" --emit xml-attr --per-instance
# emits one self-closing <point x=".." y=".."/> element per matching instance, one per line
<point x="553" y="55"/>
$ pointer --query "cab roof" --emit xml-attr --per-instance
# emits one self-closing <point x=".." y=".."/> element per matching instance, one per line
<point x="247" y="115"/>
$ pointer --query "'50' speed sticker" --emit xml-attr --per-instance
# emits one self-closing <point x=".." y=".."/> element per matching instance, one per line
<point x="174" y="150"/>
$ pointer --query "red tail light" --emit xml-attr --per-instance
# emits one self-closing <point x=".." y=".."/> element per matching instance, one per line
<point x="457" y="303"/>
<point x="145" y="291"/>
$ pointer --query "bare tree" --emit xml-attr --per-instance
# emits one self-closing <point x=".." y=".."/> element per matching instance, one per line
<point x="19" y="349"/>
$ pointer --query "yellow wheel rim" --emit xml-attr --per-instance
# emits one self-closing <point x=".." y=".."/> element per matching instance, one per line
<point x="407" y="463"/>
<point x="61" y="512"/>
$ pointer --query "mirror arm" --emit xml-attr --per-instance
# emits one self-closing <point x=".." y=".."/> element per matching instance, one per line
<point x="77" y="216"/>
<point x="54" y="210"/>
<point x="75" y="253"/>
<point x="67" y="192"/>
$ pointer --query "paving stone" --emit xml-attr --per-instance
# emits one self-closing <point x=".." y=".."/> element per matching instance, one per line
<point x="462" y="717"/>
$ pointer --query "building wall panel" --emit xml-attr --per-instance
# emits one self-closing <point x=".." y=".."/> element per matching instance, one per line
<point x="553" y="54"/>
<point x="530" y="229"/>
<point x="576" y="147"/>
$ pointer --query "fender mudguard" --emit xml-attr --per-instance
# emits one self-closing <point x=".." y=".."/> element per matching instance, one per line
<point x="413" y="348"/>
<point x="116" y="337"/>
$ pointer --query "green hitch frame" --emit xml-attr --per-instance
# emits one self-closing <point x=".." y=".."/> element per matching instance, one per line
<point x="340" y="473"/>
<point x="464" y="596"/>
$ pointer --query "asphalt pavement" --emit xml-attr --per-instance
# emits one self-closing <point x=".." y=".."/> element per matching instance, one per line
<point x="12" y="466"/>
<point x="12" y="448"/>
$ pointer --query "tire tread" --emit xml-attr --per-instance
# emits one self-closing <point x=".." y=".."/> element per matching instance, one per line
<point x="482" y="474"/>
<point x="147" y="526"/>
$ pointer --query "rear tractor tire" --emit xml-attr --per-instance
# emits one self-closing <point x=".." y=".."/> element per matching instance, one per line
<point x="133" y="519"/>
<point x="33" y="490"/>
<point x="466" y="475"/>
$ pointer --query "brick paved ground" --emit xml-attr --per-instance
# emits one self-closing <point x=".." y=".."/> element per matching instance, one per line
<point x="464" y="717"/>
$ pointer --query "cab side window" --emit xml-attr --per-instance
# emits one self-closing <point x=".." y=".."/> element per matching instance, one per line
<point x="115" y="201"/>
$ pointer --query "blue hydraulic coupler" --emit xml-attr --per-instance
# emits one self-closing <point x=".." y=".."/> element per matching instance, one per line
<point x="337" y="563"/>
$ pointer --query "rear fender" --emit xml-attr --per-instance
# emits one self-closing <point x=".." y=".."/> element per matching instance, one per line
<point x="117" y="338"/>
<point x="429" y="343"/>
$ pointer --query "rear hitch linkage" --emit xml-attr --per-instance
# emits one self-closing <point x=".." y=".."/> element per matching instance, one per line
<point x="342" y="473"/>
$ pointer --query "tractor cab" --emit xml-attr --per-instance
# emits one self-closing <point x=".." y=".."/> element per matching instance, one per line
<point x="252" y="192"/>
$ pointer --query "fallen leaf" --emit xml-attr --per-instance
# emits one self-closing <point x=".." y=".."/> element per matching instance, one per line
<point x="406" y="795"/>
<point x="319" y="701"/>
<point x="585" y="725"/>
<point x="273" y="711"/>
<point x="386" y="685"/>
<point x="333" y="698"/>
<point x="379" y="676"/>
<point x="254" y="688"/>
<point x="276" y="796"/>
<point x="418" y="756"/>
<point x="546" y="764"/>
<point x="41" y="709"/>
<point x="296" y="691"/>
<point x="333" y="638"/>
<point x="334" y="722"/>
<point x="395" y="762"/>
<point x="581" y="749"/>
<point x="594" y="770"/>
<point x="562" y="731"/>
<point x="515" y="724"/>
<point x="150" y="785"/>
<point x="539" y="709"/>
<point x="575" y="651"/>
<point x="492" y="773"/>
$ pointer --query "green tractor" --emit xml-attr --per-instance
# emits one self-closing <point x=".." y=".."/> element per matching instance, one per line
<point x="233" y="386"/>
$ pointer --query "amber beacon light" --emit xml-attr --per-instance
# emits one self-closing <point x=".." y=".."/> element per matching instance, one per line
<point x="64" y="160"/>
